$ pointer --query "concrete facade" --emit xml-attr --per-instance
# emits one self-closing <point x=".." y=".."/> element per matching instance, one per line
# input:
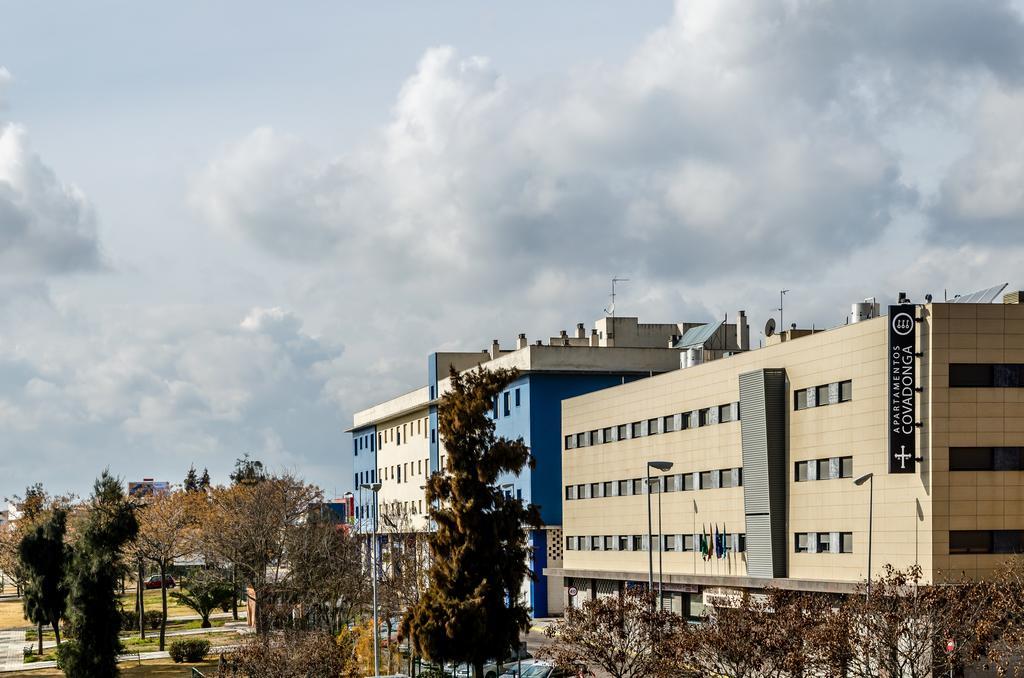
<point x="839" y="379"/>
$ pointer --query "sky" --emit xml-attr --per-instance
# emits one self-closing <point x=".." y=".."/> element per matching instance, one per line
<point x="225" y="227"/>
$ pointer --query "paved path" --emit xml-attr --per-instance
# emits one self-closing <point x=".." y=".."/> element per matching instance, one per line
<point x="12" y="647"/>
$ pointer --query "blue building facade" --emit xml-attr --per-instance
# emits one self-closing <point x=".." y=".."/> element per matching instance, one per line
<point x="364" y="470"/>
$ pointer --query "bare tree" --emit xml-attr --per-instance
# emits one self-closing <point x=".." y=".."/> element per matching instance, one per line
<point x="249" y="525"/>
<point x="623" y="635"/>
<point x="166" y="526"/>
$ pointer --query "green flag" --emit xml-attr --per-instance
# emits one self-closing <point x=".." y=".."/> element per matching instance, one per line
<point x="704" y="547"/>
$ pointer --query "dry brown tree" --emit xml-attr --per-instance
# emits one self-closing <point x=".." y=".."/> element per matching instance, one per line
<point x="623" y="635"/>
<point x="249" y="525"/>
<point x="167" y="523"/>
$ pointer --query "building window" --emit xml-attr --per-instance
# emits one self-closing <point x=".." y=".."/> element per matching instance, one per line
<point x="508" y="404"/>
<point x="846" y="542"/>
<point x="595" y="437"/>
<point x="623" y="544"/>
<point x="800" y="399"/>
<point x="702" y="418"/>
<point x="741" y="543"/>
<point x="824" y="469"/>
<point x="433" y="435"/>
<point x="570" y="442"/>
<point x="638" y="485"/>
<point x="801" y="542"/>
<point x="582" y="439"/>
<point x="595" y="490"/>
<point x="494" y="406"/>
<point x="570" y="543"/>
<point x="822" y="397"/>
<point x="652" y="427"/>
<point x="984" y="375"/>
<point x="638" y="543"/>
<point x="517" y="398"/>
<point x="581" y="491"/>
<point x="730" y="477"/>
<point x="606" y="435"/>
<point x="684" y="421"/>
<point x="570" y="492"/>
<point x="669" y="542"/>
<point x="624" y="487"/>
<point x="724" y="413"/>
<point x="609" y="544"/>
<point x="970" y="541"/>
<point x="986" y="541"/>
<point x="668" y="424"/>
<point x="595" y="543"/>
<point x="606" y="491"/>
<point x="986" y="459"/>
<point x="846" y="467"/>
<point x="636" y="433"/>
<point x="623" y="431"/>
<point x="708" y="480"/>
<point x="688" y="543"/>
<point x="671" y="483"/>
<point x="688" y="484"/>
<point x="845" y="391"/>
<point x="824" y="542"/>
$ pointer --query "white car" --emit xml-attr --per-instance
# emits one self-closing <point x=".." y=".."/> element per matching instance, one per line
<point x="537" y="670"/>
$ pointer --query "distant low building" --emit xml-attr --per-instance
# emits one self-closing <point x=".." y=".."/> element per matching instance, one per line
<point x="148" y="487"/>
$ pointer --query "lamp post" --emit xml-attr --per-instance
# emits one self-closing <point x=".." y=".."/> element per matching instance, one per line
<point x="660" y="466"/>
<point x="375" y="488"/>
<point x="869" y="478"/>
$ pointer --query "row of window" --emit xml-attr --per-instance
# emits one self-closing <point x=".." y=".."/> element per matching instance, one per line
<point x="639" y="429"/>
<point x="396" y="434"/>
<point x="506" y="399"/>
<point x="986" y="541"/>
<point x="403" y="472"/>
<point x="363" y="442"/>
<point x="986" y="375"/>
<point x="823" y="542"/>
<point x="671" y="543"/>
<point x="823" y="469"/>
<point x="366" y="477"/>
<point x="826" y="394"/>
<point x="679" y="482"/>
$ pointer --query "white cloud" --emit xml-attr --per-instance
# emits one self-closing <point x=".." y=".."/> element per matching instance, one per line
<point x="46" y="225"/>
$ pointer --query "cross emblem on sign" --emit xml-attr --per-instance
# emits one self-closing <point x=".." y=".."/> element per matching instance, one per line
<point x="903" y="456"/>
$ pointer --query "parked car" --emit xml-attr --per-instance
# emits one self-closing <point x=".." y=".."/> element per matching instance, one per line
<point x="154" y="582"/>
<point x="538" y="670"/>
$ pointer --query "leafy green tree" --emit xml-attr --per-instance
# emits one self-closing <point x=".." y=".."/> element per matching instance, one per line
<point x="204" y="595"/>
<point x="472" y="610"/>
<point x="108" y="526"/>
<point x="204" y="480"/>
<point x="247" y="471"/>
<point x="191" y="483"/>
<point x="44" y="558"/>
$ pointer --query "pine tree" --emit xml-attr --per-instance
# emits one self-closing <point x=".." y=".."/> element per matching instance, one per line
<point x="472" y="610"/>
<point x="204" y="480"/>
<point x="191" y="483"/>
<point x="44" y="557"/>
<point x="108" y="526"/>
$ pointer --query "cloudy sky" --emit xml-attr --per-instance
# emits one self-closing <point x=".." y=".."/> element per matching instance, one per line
<point x="226" y="226"/>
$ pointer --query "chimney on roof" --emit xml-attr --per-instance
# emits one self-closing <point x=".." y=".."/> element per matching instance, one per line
<point x="581" y="331"/>
<point x="521" y="341"/>
<point x="742" y="332"/>
<point x="595" y="340"/>
<point x="495" y="349"/>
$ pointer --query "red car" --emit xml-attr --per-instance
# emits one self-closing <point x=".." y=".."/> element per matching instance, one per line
<point x="154" y="582"/>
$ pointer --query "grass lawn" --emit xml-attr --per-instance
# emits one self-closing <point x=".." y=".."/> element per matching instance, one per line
<point x="12" y="615"/>
<point x="151" y="599"/>
<point x="148" y="669"/>
<point x="30" y="636"/>
<point x="150" y="644"/>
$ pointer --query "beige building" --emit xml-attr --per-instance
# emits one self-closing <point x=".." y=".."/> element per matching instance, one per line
<point x="765" y="446"/>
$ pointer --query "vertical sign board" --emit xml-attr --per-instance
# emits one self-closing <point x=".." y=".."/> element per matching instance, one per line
<point x="902" y="389"/>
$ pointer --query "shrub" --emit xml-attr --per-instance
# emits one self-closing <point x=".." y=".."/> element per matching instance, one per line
<point x="153" y="618"/>
<point x="129" y="620"/>
<point x="189" y="650"/>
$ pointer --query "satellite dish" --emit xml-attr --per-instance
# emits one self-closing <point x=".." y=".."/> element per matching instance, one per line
<point x="769" y="327"/>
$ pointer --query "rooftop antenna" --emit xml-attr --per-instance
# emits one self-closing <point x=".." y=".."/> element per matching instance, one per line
<point x="611" y="307"/>
<point x="782" y="295"/>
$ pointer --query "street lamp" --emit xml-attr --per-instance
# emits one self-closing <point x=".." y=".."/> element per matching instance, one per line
<point x="660" y="466"/>
<point x="869" y="478"/>
<point x="375" y="488"/>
